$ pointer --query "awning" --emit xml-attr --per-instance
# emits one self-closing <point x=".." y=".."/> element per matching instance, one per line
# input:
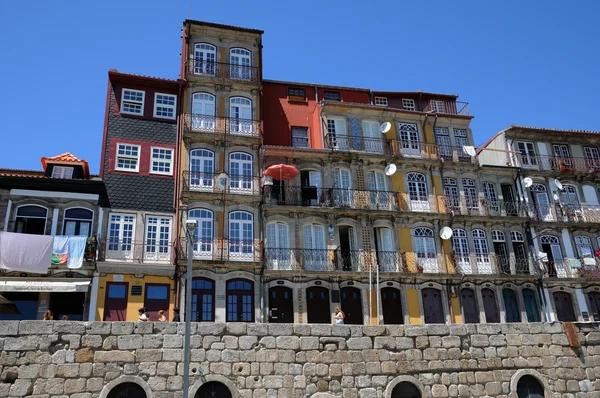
<point x="44" y="286"/>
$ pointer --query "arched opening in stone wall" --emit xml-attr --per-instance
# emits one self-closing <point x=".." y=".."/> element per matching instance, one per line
<point x="213" y="389"/>
<point x="127" y="390"/>
<point x="529" y="387"/>
<point x="406" y="390"/>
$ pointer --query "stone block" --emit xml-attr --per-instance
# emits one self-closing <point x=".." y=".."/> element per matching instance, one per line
<point x="230" y="355"/>
<point x="122" y="328"/>
<point x="24" y="343"/>
<point x="415" y="330"/>
<point x="403" y="343"/>
<point x="388" y="343"/>
<point x="451" y="342"/>
<point x="172" y="354"/>
<point x="560" y="339"/>
<point x="439" y="391"/>
<point x="247" y="342"/>
<point x="359" y="343"/>
<point x="131" y="342"/>
<point x="364" y="393"/>
<point x="74" y="385"/>
<point x="149" y="355"/>
<point x="143" y="327"/>
<point x="9" y="328"/>
<point x="67" y="370"/>
<point x="114" y="356"/>
<point x="281" y="329"/>
<point x="157" y="383"/>
<point x="164" y="328"/>
<point x="211" y="329"/>
<point x="173" y="341"/>
<point x="91" y="340"/>
<point x="320" y="330"/>
<point x="29" y="371"/>
<point x="257" y="329"/>
<point x="288" y="342"/>
<point x="480" y="340"/>
<point x="236" y="329"/>
<point x="110" y="343"/>
<point x="35" y="327"/>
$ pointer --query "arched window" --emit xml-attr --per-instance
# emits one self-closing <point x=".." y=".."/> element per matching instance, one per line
<point x="278" y="246"/>
<point x="240" y="63"/>
<point x="460" y="247"/>
<point x="563" y="303"/>
<point x="433" y="310"/>
<point x="31" y="219"/>
<point x="544" y="210"/>
<point x="511" y="306"/>
<point x="213" y="389"/>
<point x="470" y="190"/>
<point x="203" y="112"/>
<point x="240" y="300"/>
<point x="406" y="390"/>
<point x="315" y="248"/>
<point x="202" y="169"/>
<point x="584" y="247"/>
<point x="490" y="306"/>
<point x="203" y="300"/>
<point x="78" y="222"/>
<point x="568" y="196"/>
<point x="409" y="139"/>
<point x="240" y="115"/>
<point x="127" y="390"/>
<point x="425" y="252"/>
<point x="240" y="170"/>
<point x="497" y="236"/>
<point x="205" y="59"/>
<point x="529" y="387"/>
<point x="241" y="236"/>
<point x="554" y="258"/>
<point x="482" y="251"/>
<point x="203" y="234"/>
<point x="417" y="192"/>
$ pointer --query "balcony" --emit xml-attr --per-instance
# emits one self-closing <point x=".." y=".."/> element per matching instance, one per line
<point x="423" y="150"/>
<point x="558" y="164"/>
<point x="448" y="107"/>
<point x="225" y="250"/>
<point x="278" y="259"/>
<point x="424" y="204"/>
<point x="359" y="199"/>
<point x="196" y="123"/>
<point x="242" y="73"/>
<point x="477" y="206"/>
<point x="151" y="251"/>
<point x="571" y="213"/>
<point x="194" y="181"/>
<point x="490" y="264"/>
<point x="571" y="268"/>
<point x="347" y="143"/>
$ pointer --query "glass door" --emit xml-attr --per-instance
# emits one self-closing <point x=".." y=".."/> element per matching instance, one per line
<point x="315" y="249"/>
<point x="417" y="192"/>
<point x="240" y="116"/>
<point x="203" y="112"/>
<point x="120" y="237"/>
<point x="409" y="139"/>
<point x="241" y="236"/>
<point x="241" y="61"/>
<point x="278" y="246"/>
<point x="460" y="247"/>
<point x="378" y="191"/>
<point x="205" y="57"/>
<point x="240" y="168"/>
<point x="341" y="187"/>
<point x="202" y="169"/>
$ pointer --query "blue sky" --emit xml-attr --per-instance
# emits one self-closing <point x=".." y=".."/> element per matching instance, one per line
<point x="515" y="63"/>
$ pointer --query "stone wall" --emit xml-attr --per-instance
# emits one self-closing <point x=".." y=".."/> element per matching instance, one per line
<point x="85" y="360"/>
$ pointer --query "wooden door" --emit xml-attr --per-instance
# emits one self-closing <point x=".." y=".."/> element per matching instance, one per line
<point x="115" y="304"/>
<point x="157" y="297"/>
<point x="391" y="306"/>
<point x="531" y="307"/>
<point x="213" y="389"/>
<point x="281" y="305"/>
<point x="564" y="307"/>
<point x="317" y="305"/>
<point x="489" y="306"/>
<point x="352" y="306"/>
<point x="594" y="298"/>
<point x="433" y="309"/>
<point x="511" y="306"/>
<point x="240" y="300"/>
<point x="469" y="304"/>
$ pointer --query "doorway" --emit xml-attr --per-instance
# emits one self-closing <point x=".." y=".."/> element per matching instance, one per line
<point x="348" y="246"/>
<point x="115" y="304"/>
<point x="551" y="246"/>
<point x="406" y="390"/>
<point x="531" y="307"/>
<point x="27" y="304"/>
<point x="511" y="306"/>
<point x="433" y="309"/>
<point x="310" y="182"/>
<point x="69" y="304"/>
<point x="127" y="390"/>
<point x="594" y="299"/>
<point x="352" y="306"/>
<point x="391" y="305"/>
<point x="490" y="307"/>
<point x="510" y="204"/>
<point x="213" y="389"/>
<point x="281" y="305"/>
<point x="502" y="253"/>
<point x="469" y="304"/>
<point x="318" y="305"/>
<point x="529" y="387"/>
<point x="157" y="297"/>
<point x="564" y="307"/>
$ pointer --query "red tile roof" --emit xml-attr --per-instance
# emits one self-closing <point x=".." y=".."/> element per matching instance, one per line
<point x="21" y="173"/>
<point x="67" y="158"/>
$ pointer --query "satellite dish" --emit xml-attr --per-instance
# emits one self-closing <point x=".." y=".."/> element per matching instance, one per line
<point x="558" y="184"/>
<point x="555" y="196"/>
<point x="527" y="182"/>
<point x="469" y="150"/>
<point x="446" y="233"/>
<point x="390" y="169"/>
<point x="385" y="127"/>
<point x="222" y="180"/>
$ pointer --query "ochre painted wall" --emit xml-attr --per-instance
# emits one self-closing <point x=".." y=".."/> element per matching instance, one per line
<point x="412" y="301"/>
<point x="406" y="247"/>
<point x="456" y="310"/>
<point x="372" y="301"/>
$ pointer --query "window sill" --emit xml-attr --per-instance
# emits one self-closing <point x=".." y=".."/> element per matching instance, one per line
<point x="127" y="170"/>
<point x="156" y="173"/>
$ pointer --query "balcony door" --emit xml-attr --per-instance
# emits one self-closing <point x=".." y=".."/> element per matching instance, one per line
<point x="418" y="195"/>
<point x="240" y="116"/>
<point x="482" y="251"/>
<point x="562" y="157"/>
<point x="278" y="246"/>
<point x="120" y="237"/>
<point x="554" y="257"/>
<point x="203" y="112"/>
<point x="378" y="194"/>
<point x="409" y="139"/>
<point x="501" y="251"/>
<point x="205" y="57"/>
<point x="342" y="188"/>
<point x="203" y="234"/>
<point x="310" y="182"/>
<point x="202" y="163"/>
<point x="528" y="157"/>
<point x="315" y="248"/>
<point x="471" y="199"/>
<point x="518" y="245"/>
<point x="240" y="169"/>
<point x="158" y="239"/>
<point x="373" y="139"/>
<point x="460" y="247"/>
<point x="511" y="205"/>
<point x="241" y="64"/>
<point x="386" y="254"/>
<point x="336" y="133"/>
<point x="592" y="157"/>
<point x="442" y="139"/>
<point x="542" y="203"/>
<point x="426" y="255"/>
<point x="241" y="236"/>
<point x="348" y="249"/>
<point x="489" y="191"/>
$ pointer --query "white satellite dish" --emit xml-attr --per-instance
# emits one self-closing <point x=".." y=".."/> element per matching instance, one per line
<point x="385" y="127"/>
<point x="446" y="233"/>
<point x="556" y="197"/>
<point x="469" y="150"/>
<point x="222" y="180"/>
<point x="390" y="169"/>
<point x="558" y="184"/>
<point x="527" y="182"/>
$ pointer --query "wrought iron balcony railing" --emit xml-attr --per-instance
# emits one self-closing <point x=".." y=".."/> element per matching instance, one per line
<point x="195" y="181"/>
<point x="223" y="70"/>
<point x="197" y="123"/>
<point x="572" y="213"/>
<point x="330" y="197"/>
<point x="558" y="163"/>
<point x="357" y="143"/>
<point x="423" y="150"/>
<point x="478" y="206"/>
<point x="571" y="268"/>
<point x="491" y="264"/>
<point x="150" y="251"/>
<point x="242" y="250"/>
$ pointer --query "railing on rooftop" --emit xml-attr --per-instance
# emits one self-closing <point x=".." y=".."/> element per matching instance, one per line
<point x="223" y="70"/>
<point x="448" y="107"/>
<point x="197" y="123"/>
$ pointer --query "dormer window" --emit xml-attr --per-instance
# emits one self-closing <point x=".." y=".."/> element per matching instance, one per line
<point x="164" y="105"/>
<point x="408" y="104"/>
<point x="438" y="106"/>
<point x="132" y="102"/>
<point x="332" y="96"/>
<point x="62" y="172"/>
<point x="296" y="94"/>
<point x="381" y="101"/>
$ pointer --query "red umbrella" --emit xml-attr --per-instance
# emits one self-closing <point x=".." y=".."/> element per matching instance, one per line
<point x="281" y="172"/>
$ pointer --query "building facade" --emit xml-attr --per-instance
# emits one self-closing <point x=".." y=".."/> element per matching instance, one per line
<point x="136" y="254"/>
<point x="61" y="201"/>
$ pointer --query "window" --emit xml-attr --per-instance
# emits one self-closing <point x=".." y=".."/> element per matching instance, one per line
<point x="132" y="102"/>
<point x="527" y="150"/>
<point x="162" y="161"/>
<point x="516" y="236"/>
<point x="425" y="250"/>
<point x="442" y="138"/>
<point x="372" y="141"/>
<point x="408" y="104"/>
<point x="460" y="247"/>
<point x="332" y="95"/>
<point x="31" y="220"/>
<point x="296" y="94"/>
<point x="203" y="234"/>
<point x="158" y="238"/>
<point x="240" y="115"/>
<point x="337" y="133"/>
<point x="78" y="222"/>
<point x="470" y="193"/>
<point x="497" y="236"/>
<point x="203" y="300"/>
<point x="241" y="64"/>
<point x="300" y="137"/>
<point x="438" y="106"/>
<point x="240" y="170"/>
<point x="482" y="251"/>
<point x="584" y="247"/>
<point x="451" y="193"/>
<point x="277" y="246"/>
<point x="241" y="236"/>
<point x="128" y="157"/>
<point x="381" y="101"/>
<point x="203" y="112"/>
<point x="409" y="139"/>
<point x="240" y="301"/>
<point x="205" y="56"/>
<point x="568" y="197"/>
<point x="202" y="169"/>
<point x="62" y="172"/>
<point x="460" y="139"/>
<point x="417" y="192"/>
<point x="164" y="105"/>
<point x="314" y="245"/>
<point x="120" y="236"/>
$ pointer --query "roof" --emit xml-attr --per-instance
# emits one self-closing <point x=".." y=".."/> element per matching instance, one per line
<point x="315" y="84"/>
<point x="67" y="158"/>
<point x="221" y="26"/>
<point x="21" y="173"/>
<point x="454" y="96"/>
<point x="388" y="109"/>
<point x="115" y="74"/>
<point x="549" y="130"/>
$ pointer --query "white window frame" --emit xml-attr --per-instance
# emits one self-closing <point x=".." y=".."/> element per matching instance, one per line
<point x="156" y="247"/>
<point x="133" y="102"/>
<point x="380" y="101"/>
<point x="159" y="160"/>
<point x="408" y="104"/>
<point x="129" y="157"/>
<point x="438" y="106"/>
<point x="63" y="172"/>
<point x="123" y="247"/>
<point x="167" y="107"/>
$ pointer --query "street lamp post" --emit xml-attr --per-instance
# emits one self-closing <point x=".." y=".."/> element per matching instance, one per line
<point x="190" y="227"/>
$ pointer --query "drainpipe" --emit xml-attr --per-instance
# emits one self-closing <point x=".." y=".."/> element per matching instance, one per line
<point x="261" y="153"/>
<point x="177" y="184"/>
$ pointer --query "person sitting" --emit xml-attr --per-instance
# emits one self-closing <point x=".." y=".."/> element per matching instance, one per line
<point x="161" y="316"/>
<point x="143" y="315"/>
